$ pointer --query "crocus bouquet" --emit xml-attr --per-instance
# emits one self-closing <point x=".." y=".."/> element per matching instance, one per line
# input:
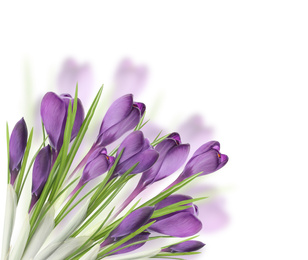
<point x="66" y="218"/>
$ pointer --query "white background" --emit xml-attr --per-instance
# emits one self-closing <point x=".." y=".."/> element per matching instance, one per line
<point x="241" y="64"/>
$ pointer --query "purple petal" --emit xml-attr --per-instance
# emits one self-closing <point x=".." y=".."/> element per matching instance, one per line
<point x="53" y="113"/>
<point x="146" y="160"/>
<point x="175" y="198"/>
<point x="162" y="148"/>
<point x="182" y="224"/>
<point x="95" y="168"/>
<point x="206" y="147"/>
<point x="223" y="160"/>
<point x="187" y="246"/>
<point x="78" y="118"/>
<point x="97" y="151"/>
<point x="206" y="163"/>
<point x="132" y="144"/>
<point x="117" y="130"/>
<point x="17" y="145"/>
<point x="172" y="199"/>
<point x="140" y="106"/>
<point x="79" y="113"/>
<point x="174" y="159"/>
<point x="176" y="137"/>
<point x="140" y="237"/>
<point x="132" y="222"/>
<point x="118" y="110"/>
<point x="41" y="170"/>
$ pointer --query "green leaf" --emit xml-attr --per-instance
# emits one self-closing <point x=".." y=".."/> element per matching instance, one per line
<point x="82" y="131"/>
<point x="67" y="204"/>
<point x="66" y="141"/>
<point x="43" y="131"/>
<point x="117" y="188"/>
<point x="174" y="207"/>
<point x="156" y="142"/>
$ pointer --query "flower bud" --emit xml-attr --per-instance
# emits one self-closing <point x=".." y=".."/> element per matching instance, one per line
<point x="206" y="159"/>
<point x="181" y="223"/>
<point x="184" y="247"/>
<point x="137" y="149"/>
<point x="123" y="115"/>
<point x="172" y="154"/>
<point x="130" y="224"/>
<point x="54" y="113"/>
<point x="17" y="146"/>
<point x="41" y="169"/>
<point x="98" y="163"/>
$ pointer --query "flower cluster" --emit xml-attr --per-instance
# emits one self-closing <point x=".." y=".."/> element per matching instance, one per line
<point x="59" y="219"/>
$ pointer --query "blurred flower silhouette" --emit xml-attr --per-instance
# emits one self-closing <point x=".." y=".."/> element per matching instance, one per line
<point x="129" y="78"/>
<point x="71" y="72"/>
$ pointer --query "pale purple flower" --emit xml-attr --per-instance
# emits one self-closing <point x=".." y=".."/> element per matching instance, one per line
<point x="129" y="78"/>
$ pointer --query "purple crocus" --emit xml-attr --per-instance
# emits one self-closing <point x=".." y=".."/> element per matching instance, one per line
<point x="172" y="154"/>
<point x="206" y="159"/>
<point x="137" y="149"/>
<point x="54" y="113"/>
<point x="181" y="223"/>
<point x="123" y="115"/>
<point x="98" y="163"/>
<point x="41" y="169"/>
<point x="17" y="146"/>
<point x="187" y="246"/>
<point x="130" y="224"/>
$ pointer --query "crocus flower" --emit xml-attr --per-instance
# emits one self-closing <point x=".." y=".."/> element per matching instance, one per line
<point x="98" y="163"/>
<point x="41" y="169"/>
<point x="206" y="159"/>
<point x="123" y="115"/>
<point x="187" y="246"/>
<point x="181" y="223"/>
<point x="172" y="154"/>
<point x="17" y="146"/>
<point x="54" y="114"/>
<point x="130" y="224"/>
<point x="137" y="149"/>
